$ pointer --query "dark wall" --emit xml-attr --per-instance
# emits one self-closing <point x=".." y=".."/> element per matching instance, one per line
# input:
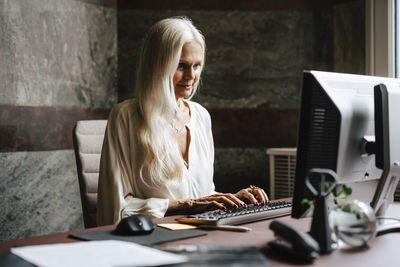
<point x="349" y="37"/>
<point x="254" y="63"/>
<point x="254" y="58"/>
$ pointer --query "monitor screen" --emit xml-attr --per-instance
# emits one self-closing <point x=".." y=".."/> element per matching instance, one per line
<point x="337" y="115"/>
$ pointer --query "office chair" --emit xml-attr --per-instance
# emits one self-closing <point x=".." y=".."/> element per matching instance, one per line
<point x="88" y="138"/>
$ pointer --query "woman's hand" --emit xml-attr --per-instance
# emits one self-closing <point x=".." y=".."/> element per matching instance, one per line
<point x="253" y="195"/>
<point x="199" y="205"/>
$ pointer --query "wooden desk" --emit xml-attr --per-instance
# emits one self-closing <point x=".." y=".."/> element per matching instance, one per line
<point x="383" y="251"/>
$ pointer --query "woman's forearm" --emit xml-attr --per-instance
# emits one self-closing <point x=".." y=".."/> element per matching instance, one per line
<point x="179" y="206"/>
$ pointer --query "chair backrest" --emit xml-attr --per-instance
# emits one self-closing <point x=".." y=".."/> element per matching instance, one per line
<point x="88" y="141"/>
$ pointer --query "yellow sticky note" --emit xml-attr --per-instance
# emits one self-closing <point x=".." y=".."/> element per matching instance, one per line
<point x="177" y="226"/>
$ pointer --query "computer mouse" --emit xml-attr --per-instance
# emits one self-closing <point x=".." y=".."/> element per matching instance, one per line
<point x="137" y="224"/>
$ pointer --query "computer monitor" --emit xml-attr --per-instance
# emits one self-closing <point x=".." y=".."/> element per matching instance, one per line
<point x="337" y="120"/>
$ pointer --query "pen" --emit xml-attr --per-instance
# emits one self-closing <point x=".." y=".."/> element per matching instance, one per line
<point x="225" y="227"/>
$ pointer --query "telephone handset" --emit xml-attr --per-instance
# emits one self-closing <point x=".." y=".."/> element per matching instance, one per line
<point x="298" y="244"/>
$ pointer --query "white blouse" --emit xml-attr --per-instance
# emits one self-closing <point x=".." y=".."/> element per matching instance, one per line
<point x="121" y="193"/>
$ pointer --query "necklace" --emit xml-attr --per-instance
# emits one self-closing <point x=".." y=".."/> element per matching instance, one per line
<point x="177" y="124"/>
<point x="178" y="130"/>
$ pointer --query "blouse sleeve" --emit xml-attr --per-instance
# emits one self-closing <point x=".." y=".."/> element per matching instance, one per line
<point x="116" y="199"/>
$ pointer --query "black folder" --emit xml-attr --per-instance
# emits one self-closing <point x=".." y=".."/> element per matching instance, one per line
<point x="159" y="235"/>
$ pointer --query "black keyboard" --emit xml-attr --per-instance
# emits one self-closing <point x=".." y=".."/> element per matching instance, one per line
<point x="240" y="215"/>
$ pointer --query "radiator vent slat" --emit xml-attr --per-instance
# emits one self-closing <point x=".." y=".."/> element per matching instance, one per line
<point x="282" y="171"/>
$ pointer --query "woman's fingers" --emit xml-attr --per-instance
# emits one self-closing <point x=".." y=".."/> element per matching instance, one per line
<point x="233" y="199"/>
<point x="265" y="196"/>
<point x="202" y="205"/>
<point x="260" y="195"/>
<point x="223" y="199"/>
<point x="245" y="194"/>
<point x="254" y="195"/>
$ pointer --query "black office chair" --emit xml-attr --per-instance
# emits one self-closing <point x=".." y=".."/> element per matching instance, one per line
<point x="88" y="141"/>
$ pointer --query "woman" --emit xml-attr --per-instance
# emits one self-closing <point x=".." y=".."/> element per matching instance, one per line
<point x="158" y="151"/>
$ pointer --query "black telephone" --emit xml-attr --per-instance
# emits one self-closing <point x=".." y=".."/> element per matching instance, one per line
<point x="295" y="243"/>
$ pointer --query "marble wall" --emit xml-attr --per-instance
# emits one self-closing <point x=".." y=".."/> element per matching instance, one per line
<point x="39" y="193"/>
<point x="53" y="53"/>
<point x="57" y="53"/>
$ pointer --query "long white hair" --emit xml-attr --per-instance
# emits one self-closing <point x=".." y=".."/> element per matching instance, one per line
<point x="160" y="159"/>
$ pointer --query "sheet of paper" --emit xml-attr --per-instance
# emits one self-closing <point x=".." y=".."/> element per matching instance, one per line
<point x="177" y="226"/>
<point x="97" y="254"/>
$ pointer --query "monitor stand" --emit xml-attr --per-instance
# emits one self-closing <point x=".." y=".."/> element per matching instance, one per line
<point x="387" y="154"/>
<point x="387" y="226"/>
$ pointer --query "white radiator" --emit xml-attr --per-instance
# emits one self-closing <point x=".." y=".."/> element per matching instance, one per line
<point x="282" y="168"/>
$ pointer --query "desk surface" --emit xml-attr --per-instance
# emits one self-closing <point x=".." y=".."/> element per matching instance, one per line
<point x="383" y="251"/>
